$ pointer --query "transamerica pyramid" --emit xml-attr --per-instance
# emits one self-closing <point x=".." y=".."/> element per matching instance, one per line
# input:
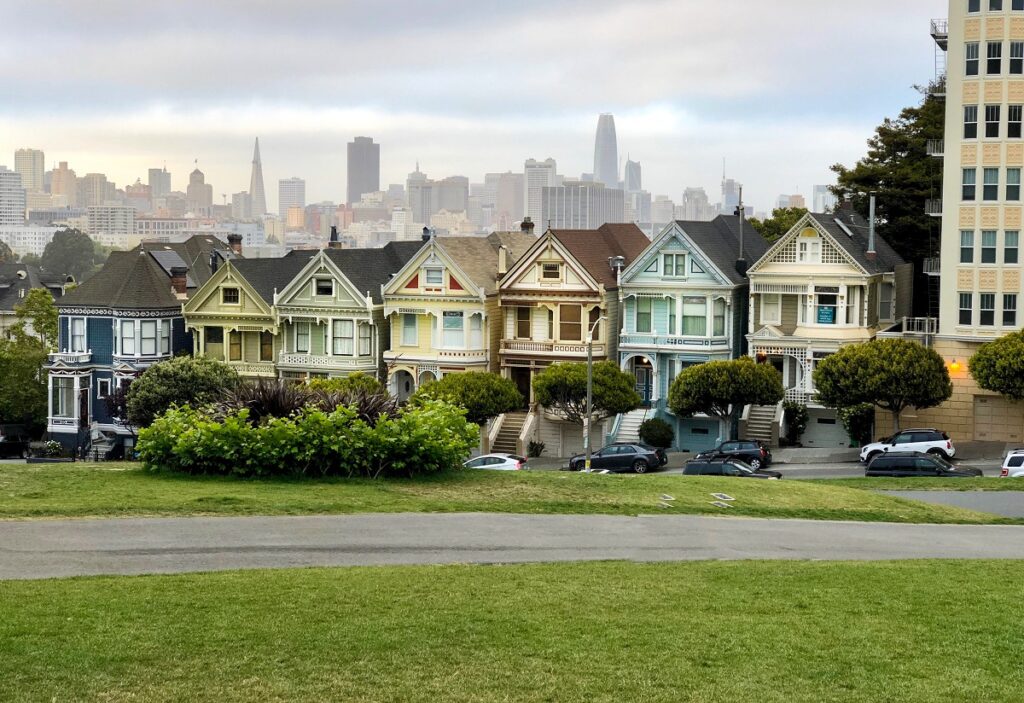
<point x="256" y="192"/>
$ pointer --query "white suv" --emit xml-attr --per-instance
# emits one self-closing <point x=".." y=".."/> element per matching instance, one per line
<point x="927" y="440"/>
<point x="1013" y="464"/>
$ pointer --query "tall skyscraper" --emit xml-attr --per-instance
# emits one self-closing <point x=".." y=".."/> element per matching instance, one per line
<point x="64" y="185"/>
<point x="507" y="190"/>
<point x="696" y="206"/>
<point x="291" y="192"/>
<point x="418" y="192"/>
<point x="199" y="193"/>
<point x="31" y="165"/>
<point x="824" y="199"/>
<point x="159" y="182"/>
<point x="537" y="175"/>
<point x="606" y="152"/>
<point x="730" y="195"/>
<point x="363" y="168"/>
<point x="581" y="205"/>
<point x="257" y="195"/>
<point x="451" y="194"/>
<point x="94" y="189"/>
<point x="633" y="180"/>
<point x="12" y="198"/>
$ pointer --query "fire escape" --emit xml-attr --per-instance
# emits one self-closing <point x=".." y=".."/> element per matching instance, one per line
<point x="936" y="148"/>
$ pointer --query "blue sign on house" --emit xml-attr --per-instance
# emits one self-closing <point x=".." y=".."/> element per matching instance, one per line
<point x="826" y="315"/>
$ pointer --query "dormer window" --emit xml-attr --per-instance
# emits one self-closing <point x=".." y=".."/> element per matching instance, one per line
<point x="675" y="265"/>
<point x="551" y="272"/>
<point x="230" y="296"/>
<point x="324" y="287"/>
<point x="434" y="276"/>
<point x="809" y="251"/>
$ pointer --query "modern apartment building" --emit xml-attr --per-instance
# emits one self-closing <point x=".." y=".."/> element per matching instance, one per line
<point x="580" y="205"/>
<point x="31" y="165"/>
<point x="291" y="192"/>
<point x="12" y="198"/>
<point x="363" y="168"/>
<point x="537" y="175"/>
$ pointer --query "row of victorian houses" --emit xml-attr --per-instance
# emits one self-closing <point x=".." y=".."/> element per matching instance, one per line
<point x="512" y="303"/>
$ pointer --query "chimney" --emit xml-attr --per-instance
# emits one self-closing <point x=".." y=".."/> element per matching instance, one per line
<point x="214" y="262"/>
<point x="427" y="234"/>
<point x="179" y="280"/>
<point x="527" y="225"/>
<point x="334" y="242"/>
<point x="846" y="205"/>
<point x="502" y="260"/>
<point x="235" y="242"/>
<point x="871" y="230"/>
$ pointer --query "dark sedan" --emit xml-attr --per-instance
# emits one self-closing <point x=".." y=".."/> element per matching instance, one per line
<point x="726" y="467"/>
<point x="12" y="448"/>
<point x="622" y="456"/>
<point x="753" y="452"/>
<point x="912" y="464"/>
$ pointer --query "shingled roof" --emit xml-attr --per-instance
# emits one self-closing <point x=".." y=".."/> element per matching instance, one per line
<point x="17" y="279"/>
<point x="369" y="269"/>
<point x="850" y="231"/>
<point x="719" y="240"/>
<point x="478" y="256"/>
<point x="269" y="276"/>
<point x="593" y="248"/>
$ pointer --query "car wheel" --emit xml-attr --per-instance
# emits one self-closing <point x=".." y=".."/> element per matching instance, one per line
<point x="939" y="452"/>
<point x="755" y="464"/>
<point x="640" y="466"/>
<point x="871" y="457"/>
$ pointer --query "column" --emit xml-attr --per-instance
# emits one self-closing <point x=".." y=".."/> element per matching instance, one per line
<point x="679" y="315"/>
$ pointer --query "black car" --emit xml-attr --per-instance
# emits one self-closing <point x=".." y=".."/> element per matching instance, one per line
<point x="726" y="467"/>
<point x="911" y="464"/>
<point x="753" y="452"/>
<point x="622" y="456"/>
<point x="13" y="448"/>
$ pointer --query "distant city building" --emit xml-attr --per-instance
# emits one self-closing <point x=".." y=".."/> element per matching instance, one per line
<point x="30" y="239"/>
<point x="451" y="194"/>
<point x="295" y="218"/>
<point x="824" y="199"/>
<point x="506" y="189"/>
<point x="199" y="193"/>
<point x="578" y="205"/>
<point x="663" y="211"/>
<point x="730" y="196"/>
<point x="138" y="196"/>
<point x="638" y="208"/>
<point x="64" y="183"/>
<point x="94" y="189"/>
<point x="241" y="206"/>
<point x="363" y="168"/>
<point x="12" y="198"/>
<point x="790" y="201"/>
<point x="30" y="163"/>
<point x="112" y="225"/>
<point x="696" y="207"/>
<point x="291" y="192"/>
<point x="418" y="194"/>
<point x="159" y="182"/>
<point x="606" y="152"/>
<point x="537" y="175"/>
<point x="404" y="225"/>
<point x="633" y="181"/>
<point x="257" y="195"/>
<point x="53" y="215"/>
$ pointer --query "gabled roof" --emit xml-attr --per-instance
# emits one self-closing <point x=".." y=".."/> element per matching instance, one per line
<point x="477" y="257"/>
<point x="850" y="231"/>
<point x="719" y="240"/>
<point x="267" y="276"/>
<point x="593" y="248"/>
<point x="369" y="269"/>
<point x="15" y="278"/>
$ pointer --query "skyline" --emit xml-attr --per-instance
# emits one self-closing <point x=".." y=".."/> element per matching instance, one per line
<point x="680" y="107"/>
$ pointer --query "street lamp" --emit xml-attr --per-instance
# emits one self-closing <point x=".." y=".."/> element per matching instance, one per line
<point x="590" y="389"/>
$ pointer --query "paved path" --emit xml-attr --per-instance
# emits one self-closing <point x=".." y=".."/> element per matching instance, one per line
<point x="41" y="549"/>
<point x="1005" y="503"/>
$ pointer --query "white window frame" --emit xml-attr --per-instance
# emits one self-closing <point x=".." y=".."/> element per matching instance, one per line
<point x="149" y="337"/>
<point x="165" y="337"/>
<point x="476" y="331"/>
<point x="649" y="313"/>
<point x="365" y="339"/>
<point x="316" y="287"/>
<point x="453" y="337"/>
<point x="63" y="398"/>
<point x="428" y="272"/>
<point x="343" y="334"/>
<point x="673" y="270"/>
<point x="103" y="387"/>
<point x="766" y="307"/>
<point x="72" y="345"/>
<point x="308" y="335"/>
<point x="809" y="251"/>
<point x="410" y="333"/>
<point x="124" y="349"/>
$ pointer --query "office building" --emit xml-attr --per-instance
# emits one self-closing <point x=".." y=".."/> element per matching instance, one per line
<point x="633" y="181"/>
<point x="537" y="175"/>
<point x="257" y="195"/>
<point x="606" y="152"/>
<point x="32" y="167"/>
<point x="451" y="194"/>
<point x="580" y="205"/>
<point x="94" y="189"/>
<point x="663" y="211"/>
<point x="112" y="225"/>
<point x="159" y="182"/>
<point x="508" y="194"/>
<point x="291" y="192"/>
<point x="64" y="184"/>
<point x="696" y="207"/>
<point x="824" y="199"/>
<point x="199" y="193"/>
<point x="791" y="201"/>
<point x="241" y="206"/>
<point x="363" y="168"/>
<point x="12" y="198"/>
<point x="730" y="196"/>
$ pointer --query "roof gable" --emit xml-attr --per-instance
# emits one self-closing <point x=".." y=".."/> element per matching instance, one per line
<point x="786" y="251"/>
<point x="410" y="281"/>
<point x="302" y="291"/>
<point x="593" y="249"/>
<point x="647" y="268"/>
<point x="527" y="272"/>
<point x="210" y="298"/>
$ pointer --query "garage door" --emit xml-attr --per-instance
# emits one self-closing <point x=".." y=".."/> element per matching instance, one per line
<point x="997" y="419"/>
<point x="697" y="435"/>
<point x="824" y="430"/>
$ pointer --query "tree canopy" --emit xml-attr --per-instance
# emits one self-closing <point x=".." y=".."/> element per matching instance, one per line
<point x="563" y="388"/>
<point x="72" y="252"/>
<point x="483" y="395"/>
<point x="6" y="255"/>
<point x="37" y="316"/>
<point x="999" y="366"/>
<point x="893" y="374"/>
<point x="181" y="381"/>
<point x="353" y="383"/>
<point x="781" y="221"/>
<point x="23" y="383"/>
<point x="723" y="388"/>
<point x="898" y="169"/>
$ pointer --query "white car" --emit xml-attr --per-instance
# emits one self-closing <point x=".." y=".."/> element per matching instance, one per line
<point x="926" y="440"/>
<point x="498" y="462"/>
<point x="1013" y="464"/>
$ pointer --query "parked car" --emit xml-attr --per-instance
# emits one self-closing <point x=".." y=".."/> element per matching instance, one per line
<point x="927" y="440"/>
<point x="753" y="452"/>
<point x="13" y="448"/>
<point x="1013" y="464"/>
<point x="498" y="462"/>
<point x="726" y="467"/>
<point x="911" y="464"/>
<point x="622" y="456"/>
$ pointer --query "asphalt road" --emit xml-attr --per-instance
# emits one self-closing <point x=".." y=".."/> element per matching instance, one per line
<point x="1007" y="504"/>
<point x="44" y="549"/>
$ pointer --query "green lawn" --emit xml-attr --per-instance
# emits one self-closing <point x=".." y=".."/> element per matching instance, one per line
<point x="90" y="490"/>
<point x="930" y="484"/>
<point x="709" y="632"/>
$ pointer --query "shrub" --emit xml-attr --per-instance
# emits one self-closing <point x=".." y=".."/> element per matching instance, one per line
<point x="657" y="433"/>
<point x="348" y="384"/>
<point x="483" y="395"/>
<point x="183" y="380"/>
<point x="858" y="421"/>
<point x="796" y="417"/>
<point x="266" y="398"/>
<point x="535" y="449"/>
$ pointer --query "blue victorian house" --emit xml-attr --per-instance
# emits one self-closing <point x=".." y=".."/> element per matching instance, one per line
<point x="123" y="319"/>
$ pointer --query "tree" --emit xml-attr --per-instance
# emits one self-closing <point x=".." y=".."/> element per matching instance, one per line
<point x="356" y="382"/>
<point x="563" y="388"/>
<point x="893" y="374"/>
<point x="898" y="169"/>
<point x="999" y="366"/>
<point x="483" y="395"/>
<point x="31" y="259"/>
<point x="182" y="381"/>
<point x="70" y="252"/>
<point x="6" y="254"/>
<point x="37" y="316"/>
<point x="781" y="221"/>
<point x="22" y="382"/>
<point x="723" y="388"/>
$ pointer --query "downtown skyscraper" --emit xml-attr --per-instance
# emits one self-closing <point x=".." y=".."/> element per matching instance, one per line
<point x="606" y="152"/>
<point x="363" y="168"/>
<point x="257" y="196"/>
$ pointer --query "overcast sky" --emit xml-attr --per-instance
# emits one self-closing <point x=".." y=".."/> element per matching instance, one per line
<point x="780" y="89"/>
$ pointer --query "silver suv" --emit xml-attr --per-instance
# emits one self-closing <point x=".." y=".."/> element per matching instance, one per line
<point x="927" y="440"/>
<point x="1013" y="464"/>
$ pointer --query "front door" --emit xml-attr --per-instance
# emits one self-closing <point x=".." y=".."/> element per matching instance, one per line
<point x="644" y="380"/>
<point x="521" y="377"/>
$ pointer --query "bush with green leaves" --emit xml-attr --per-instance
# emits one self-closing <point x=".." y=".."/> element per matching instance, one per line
<point x="563" y="389"/>
<point x="535" y="449"/>
<point x="858" y="420"/>
<point x="483" y="395"/>
<point x="796" y="417"/>
<point x="999" y="366"/>
<point x="431" y="437"/>
<point x="353" y="383"/>
<point x="183" y="380"/>
<point x="723" y="388"/>
<point x="657" y="433"/>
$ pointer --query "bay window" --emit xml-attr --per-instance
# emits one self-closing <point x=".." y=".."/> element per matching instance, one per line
<point x="595" y="315"/>
<point x="825" y="307"/>
<point x="343" y="338"/>
<point x="63" y="398"/>
<point x="165" y="336"/>
<point x="453" y="328"/>
<point x="78" y="334"/>
<point x="302" y="337"/>
<point x="524" y="316"/>
<point x="234" y="346"/>
<point x="127" y="338"/>
<point x="695" y="316"/>
<point x="148" y="338"/>
<point x="476" y="331"/>
<point x="266" y="346"/>
<point x="771" y="308"/>
<point x="719" y="318"/>
<point x="410" y="332"/>
<point x="365" y="335"/>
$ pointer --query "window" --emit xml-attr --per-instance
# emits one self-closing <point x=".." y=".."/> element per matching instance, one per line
<point x="551" y="323"/>
<point x="885" y="301"/>
<point x="995" y="5"/>
<point x="229" y="296"/>
<point x="234" y="346"/>
<point x="1011" y="241"/>
<point x="266" y="346"/>
<point x="1013" y="184"/>
<point x="476" y="331"/>
<point x="78" y="334"/>
<point x="809" y="252"/>
<point x="365" y="333"/>
<point x="454" y="330"/>
<point x="63" y="400"/>
<point x="718" y="319"/>
<point x="1013" y="121"/>
<point x="127" y="337"/>
<point x="673" y="321"/>
<point x="966" y="247"/>
<point x="988" y="309"/>
<point x="971" y="58"/>
<point x="995" y="58"/>
<point x="970" y="121"/>
<point x="410" y="333"/>
<point x="551" y="272"/>
<point x="825" y="306"/>
<point x="214" y="335"/>
<point x="1010" y="310"/>
<point x="1016" y="5"/>
<point x="988" y="246"/>
<point x="570" y="327"/>
<point x="524" y="323"/>
<point x="966" y="309"/>
<point x="675" y="265"/>
<point x="595" y="315"/>
<point x="324" y="286"/>
<point x="302" y="337"/>
<point x="643" y="315"/>
<point x="992" y="121"/>
<point x="165" y="336"/>
<point x="1017" y="57"/>
<point x="695" y="316"/>
<point x="434" y="276"/>
<point x="102" y="387"/>
<point x="343" y="338"/>
<point x="991" y="187"/>
<point x="974" y="5"/>
<point x="148" y="337"/>
<point x="771" y="308"/>
<point x="969" y="183"/>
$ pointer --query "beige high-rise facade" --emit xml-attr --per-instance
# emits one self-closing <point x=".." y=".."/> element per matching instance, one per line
<point x="30" y="164"/>
<point x="64" y="183"/>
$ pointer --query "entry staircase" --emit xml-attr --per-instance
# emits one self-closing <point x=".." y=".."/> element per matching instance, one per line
<point x="629" y="426"/>
<point x="759" y="423"/>
<point x="508" y="435"/>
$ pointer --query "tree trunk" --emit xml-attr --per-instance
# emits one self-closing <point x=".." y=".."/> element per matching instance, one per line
<point x="896" y="420"/>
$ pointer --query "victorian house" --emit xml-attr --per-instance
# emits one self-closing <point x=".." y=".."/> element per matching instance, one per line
<point x="827" y="282"/>
<point x="684" y="302"/>
<point x="114" y="326"/>
<point x="443" y="308"/>
<point x="16" y="280"/>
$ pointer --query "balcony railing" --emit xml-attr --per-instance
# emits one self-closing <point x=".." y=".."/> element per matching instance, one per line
<point x="933" y="207"/>
<point x="318" y="361"/>
<point x="936" y="147"/>
<point x="921" y="325"/>
<point x="71" y="358"/>
<point x="562" y="348"/>
<point x="660" y="340"/>
<point x="938" y="87"/>
<point x="932" y="266"/>
<point x="940" y="32"/>
<point x="259" y="368"/>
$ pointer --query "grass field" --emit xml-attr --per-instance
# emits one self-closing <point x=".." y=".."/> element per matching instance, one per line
<point x="111" y="490"/>
<point x="710" y="632"/>
<point x="931" y="484"/>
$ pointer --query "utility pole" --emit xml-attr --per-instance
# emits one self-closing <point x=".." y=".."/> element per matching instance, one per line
<point x="590" y="390"/>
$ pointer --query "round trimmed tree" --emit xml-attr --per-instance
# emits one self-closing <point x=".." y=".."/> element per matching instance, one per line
<point x="999" y="366"/>
<point x="483" y="395"/>
<point x="563" y="389"/>
<point x="723" y="388"/>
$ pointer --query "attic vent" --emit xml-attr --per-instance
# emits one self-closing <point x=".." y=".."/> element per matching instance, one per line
<point x="842" y="226"/>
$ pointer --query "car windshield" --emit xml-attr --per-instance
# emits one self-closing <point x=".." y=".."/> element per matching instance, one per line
<point x="945" y="464"/>
<point x="742" y="465"/>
